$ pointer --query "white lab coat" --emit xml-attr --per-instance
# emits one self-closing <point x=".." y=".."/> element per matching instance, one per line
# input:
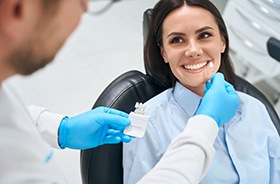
<point x="28" y="135"/>
<point x="188" y="156"/>
<point x="25" y="157"/>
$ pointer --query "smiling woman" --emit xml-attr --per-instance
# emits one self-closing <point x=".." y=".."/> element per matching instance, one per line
<point x="184" y="38"/>
<point x="153" y="57"/>
<point x="188" y="48"/>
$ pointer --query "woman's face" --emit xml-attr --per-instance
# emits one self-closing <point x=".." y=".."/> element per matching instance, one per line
<point x="191" y="40"/>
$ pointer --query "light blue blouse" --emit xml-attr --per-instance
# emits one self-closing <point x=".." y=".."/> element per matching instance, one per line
<point x="247" y="148"/>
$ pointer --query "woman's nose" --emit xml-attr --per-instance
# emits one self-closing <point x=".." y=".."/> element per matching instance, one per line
<point x="193" y="50"/>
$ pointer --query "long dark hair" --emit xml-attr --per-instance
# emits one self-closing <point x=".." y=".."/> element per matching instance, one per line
<point x="154" y="62"/>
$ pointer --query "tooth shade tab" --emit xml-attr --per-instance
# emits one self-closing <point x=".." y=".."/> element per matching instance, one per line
<point x="196" y="66"/>
<point x="211" y="65"/>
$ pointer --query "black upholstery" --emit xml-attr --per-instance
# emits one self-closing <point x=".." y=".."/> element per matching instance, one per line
<point x="103" y="165"/>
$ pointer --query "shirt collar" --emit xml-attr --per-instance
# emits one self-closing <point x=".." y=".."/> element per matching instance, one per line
<point x="187" y="99"/>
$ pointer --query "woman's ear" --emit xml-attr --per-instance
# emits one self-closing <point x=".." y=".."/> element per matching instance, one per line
<point x="223" y="45"/>
<point x="163" y="53"/>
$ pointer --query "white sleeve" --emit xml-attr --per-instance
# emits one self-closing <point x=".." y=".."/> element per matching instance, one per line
<point x="188" y="156"/>
<point x="47" y="124"/>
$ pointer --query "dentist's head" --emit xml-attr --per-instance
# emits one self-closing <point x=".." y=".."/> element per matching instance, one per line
<point x="32" y="32"/>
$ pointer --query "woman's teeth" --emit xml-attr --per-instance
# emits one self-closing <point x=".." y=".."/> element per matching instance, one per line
<point x="195" y="67"/>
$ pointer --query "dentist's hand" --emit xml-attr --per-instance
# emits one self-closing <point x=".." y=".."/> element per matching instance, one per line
<point x="94" y="128"/>
<point x="220" y="100"/>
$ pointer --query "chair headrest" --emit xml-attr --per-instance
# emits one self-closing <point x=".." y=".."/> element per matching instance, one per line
<point x="147" y="17"/>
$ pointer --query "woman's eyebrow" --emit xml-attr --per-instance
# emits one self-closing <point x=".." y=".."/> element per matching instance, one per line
<point x="183" y="34"/>
<point x="176" y="34"/>
<point x="203" y="29"/>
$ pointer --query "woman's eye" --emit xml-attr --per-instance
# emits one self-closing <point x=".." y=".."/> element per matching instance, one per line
<point x="176" y="40"/>
<point x="204" y="35"/>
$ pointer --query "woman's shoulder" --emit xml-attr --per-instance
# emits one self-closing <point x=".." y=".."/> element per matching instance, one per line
<point x="255" y="111"/>
<point x="251" y="105"/>
<point x="248" y="99"/>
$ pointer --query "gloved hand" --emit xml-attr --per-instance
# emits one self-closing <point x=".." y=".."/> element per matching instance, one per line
<point x="93" y="128"/>
<point x="220" y="100"/>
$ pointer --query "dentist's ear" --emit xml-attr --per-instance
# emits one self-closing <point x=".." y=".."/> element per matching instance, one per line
<point x="18" y="15"/>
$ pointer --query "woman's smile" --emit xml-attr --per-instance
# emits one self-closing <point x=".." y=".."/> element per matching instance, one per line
<point x="195" y="66"/>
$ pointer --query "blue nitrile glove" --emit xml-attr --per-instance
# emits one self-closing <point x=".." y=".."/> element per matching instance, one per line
<point x="220" y="100"/>
<point x="93" y="128"/>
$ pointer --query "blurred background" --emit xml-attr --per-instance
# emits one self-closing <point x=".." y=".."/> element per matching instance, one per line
<point x="107" y="45"/>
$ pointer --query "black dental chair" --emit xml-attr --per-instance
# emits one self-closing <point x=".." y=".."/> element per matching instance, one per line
<point x="103" y="165"/>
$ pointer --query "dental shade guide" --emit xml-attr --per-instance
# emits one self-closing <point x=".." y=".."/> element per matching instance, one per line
<point x="211" y="65"/>
<point x="139" y="122"/>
